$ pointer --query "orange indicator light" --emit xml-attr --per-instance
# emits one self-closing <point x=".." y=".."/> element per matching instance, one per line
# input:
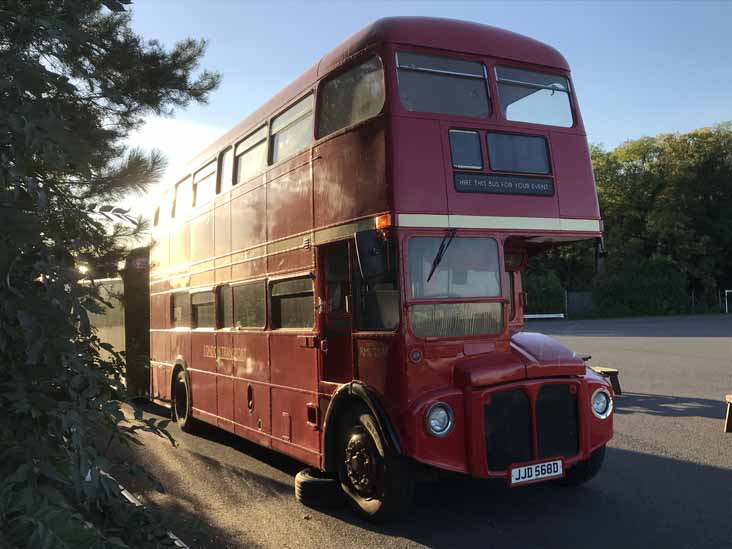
<point x="383" y="221"/>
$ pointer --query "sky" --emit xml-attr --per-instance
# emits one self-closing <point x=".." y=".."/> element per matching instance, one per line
<point x="639" y="68"/>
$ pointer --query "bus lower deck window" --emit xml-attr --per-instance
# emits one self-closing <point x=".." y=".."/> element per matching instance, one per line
<point x="249" y="305"/>
<point x="225" y="310"/>
<point x="292" y="303"/>
<point x="180" y="309"/>
<point x="203" y="311"/>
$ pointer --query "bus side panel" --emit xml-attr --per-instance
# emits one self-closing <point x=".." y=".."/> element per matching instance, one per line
<point x="410" y="139"/>
<point x="202" y="367"/>
<point x="159" y="352"/>
<point x="350" y="175"/>
<point x="251" y="386"/>
<point x="294" y="370"/>
<point x="245" y="268"/>
<point x="577" y="196"/>
<point x="222" y="243"/>
<point x="224" y="381"/>
<point x="247" y="221"/>
<point x="206" y="276"/>
<point x="290" y="261"/>
<point x="154" y="391"/>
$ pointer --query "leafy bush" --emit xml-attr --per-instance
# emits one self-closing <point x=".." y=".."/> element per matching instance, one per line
<point x="76" y="81"/>
<point x="641" y="287"/>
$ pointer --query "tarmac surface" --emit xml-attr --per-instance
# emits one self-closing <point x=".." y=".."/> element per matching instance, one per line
<point x="666" y="481"/>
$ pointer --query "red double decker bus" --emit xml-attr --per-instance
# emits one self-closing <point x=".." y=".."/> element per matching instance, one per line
<point x="338" y="277"/>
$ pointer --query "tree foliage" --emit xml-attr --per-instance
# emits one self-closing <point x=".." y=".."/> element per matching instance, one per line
<point x="666" y="203"/>
<point x="670" y="196"/>
<point x="75" y="81"/>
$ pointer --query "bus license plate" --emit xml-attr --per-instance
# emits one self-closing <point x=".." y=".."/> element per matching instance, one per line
<point x="546" y="470"/>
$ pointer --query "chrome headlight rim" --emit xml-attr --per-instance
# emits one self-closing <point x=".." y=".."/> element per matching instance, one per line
<point x="450" y="419"/>
<point x="609" y="410"/>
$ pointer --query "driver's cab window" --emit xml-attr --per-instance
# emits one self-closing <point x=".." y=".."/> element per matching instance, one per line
<point x="377" y="302"/>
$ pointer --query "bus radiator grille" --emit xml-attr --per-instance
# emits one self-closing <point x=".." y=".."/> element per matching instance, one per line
<point x="557" y="424"/>
<point x="507" y="424"/>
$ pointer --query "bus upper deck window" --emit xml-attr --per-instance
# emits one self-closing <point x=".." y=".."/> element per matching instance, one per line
<point x="428" y="83"/>
<point x="351" y="97"/>
<point x="534" y="97"/>
<point x="204" y="184"/>
<point x="251" y="155"/>
<point x="292" y="131"/>
<point x="465" y="150"/>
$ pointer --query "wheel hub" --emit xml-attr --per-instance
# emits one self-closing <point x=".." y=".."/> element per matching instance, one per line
<point x="361" y="465"/>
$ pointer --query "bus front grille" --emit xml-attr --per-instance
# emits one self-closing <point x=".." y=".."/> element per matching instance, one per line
<point x="507" y="424"/>
<point x="557" y="426"/>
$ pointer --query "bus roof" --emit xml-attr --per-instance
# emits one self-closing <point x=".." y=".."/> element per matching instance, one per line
<point x="431" y="32"/>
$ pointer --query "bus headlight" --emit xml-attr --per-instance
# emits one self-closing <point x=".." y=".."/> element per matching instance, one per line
<point x="439" y="419"/>
<point x="601" y="403"/>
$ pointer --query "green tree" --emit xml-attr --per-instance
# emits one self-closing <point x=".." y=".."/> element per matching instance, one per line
<point x="670" y="197"/>
<point x="75" y="81"/>
<point x="666" y="203"/>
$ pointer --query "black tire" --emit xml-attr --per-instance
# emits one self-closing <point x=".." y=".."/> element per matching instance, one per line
<point x="181" y="405"/>
<point x="584" y="471"/>
<point x="315" y="489"/>
<point x="377" y="483"/>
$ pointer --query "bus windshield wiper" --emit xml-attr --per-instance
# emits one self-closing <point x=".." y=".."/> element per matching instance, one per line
<point x="446" y="240"/>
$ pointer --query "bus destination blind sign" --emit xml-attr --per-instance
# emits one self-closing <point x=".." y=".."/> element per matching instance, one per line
<point x="503" y="184"/>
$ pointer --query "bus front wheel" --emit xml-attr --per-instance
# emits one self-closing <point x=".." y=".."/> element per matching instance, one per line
<point x="586" y="470"/>
<point x="182" y="401"/>
<point x="378" y="483"/>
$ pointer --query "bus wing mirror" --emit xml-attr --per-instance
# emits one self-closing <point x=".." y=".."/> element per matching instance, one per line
<point x="371" y="254"/>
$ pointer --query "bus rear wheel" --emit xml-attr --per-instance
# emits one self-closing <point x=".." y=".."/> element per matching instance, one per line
<point x="182" y="401"/>
<point x="376" y="482"/>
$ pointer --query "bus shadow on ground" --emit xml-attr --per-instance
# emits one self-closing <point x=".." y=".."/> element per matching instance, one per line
<point x="669" y="406"/>
<point x="637" y="500"/>
<point x="219" y="436"/>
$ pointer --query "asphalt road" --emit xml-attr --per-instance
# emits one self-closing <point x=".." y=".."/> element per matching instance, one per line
<point x="667" y="479"/>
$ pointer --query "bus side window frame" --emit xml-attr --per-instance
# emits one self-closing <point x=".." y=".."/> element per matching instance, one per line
<point x="209" y="169"/>
<point x="262" y="283"/>
<point x="185" y="322"/>
<point x="270" y="301"/>
<point x="309" y="95"/>
<point x="248" y="143"/>
<point x="193" y="316"/>
<point x="224" y="320"/>
<point x="340" y="72"/>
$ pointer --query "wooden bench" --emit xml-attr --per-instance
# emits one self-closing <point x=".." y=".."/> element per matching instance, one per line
<point x="728" y="419"/>
<point x="612" y="375"/>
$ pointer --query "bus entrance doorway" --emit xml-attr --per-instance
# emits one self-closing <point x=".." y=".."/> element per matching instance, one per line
<point x="337" y="316"/>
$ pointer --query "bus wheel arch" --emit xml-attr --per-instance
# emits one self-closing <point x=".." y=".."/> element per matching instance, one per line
<point x="363" y="450"/>
<point x="349" y="396"/>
